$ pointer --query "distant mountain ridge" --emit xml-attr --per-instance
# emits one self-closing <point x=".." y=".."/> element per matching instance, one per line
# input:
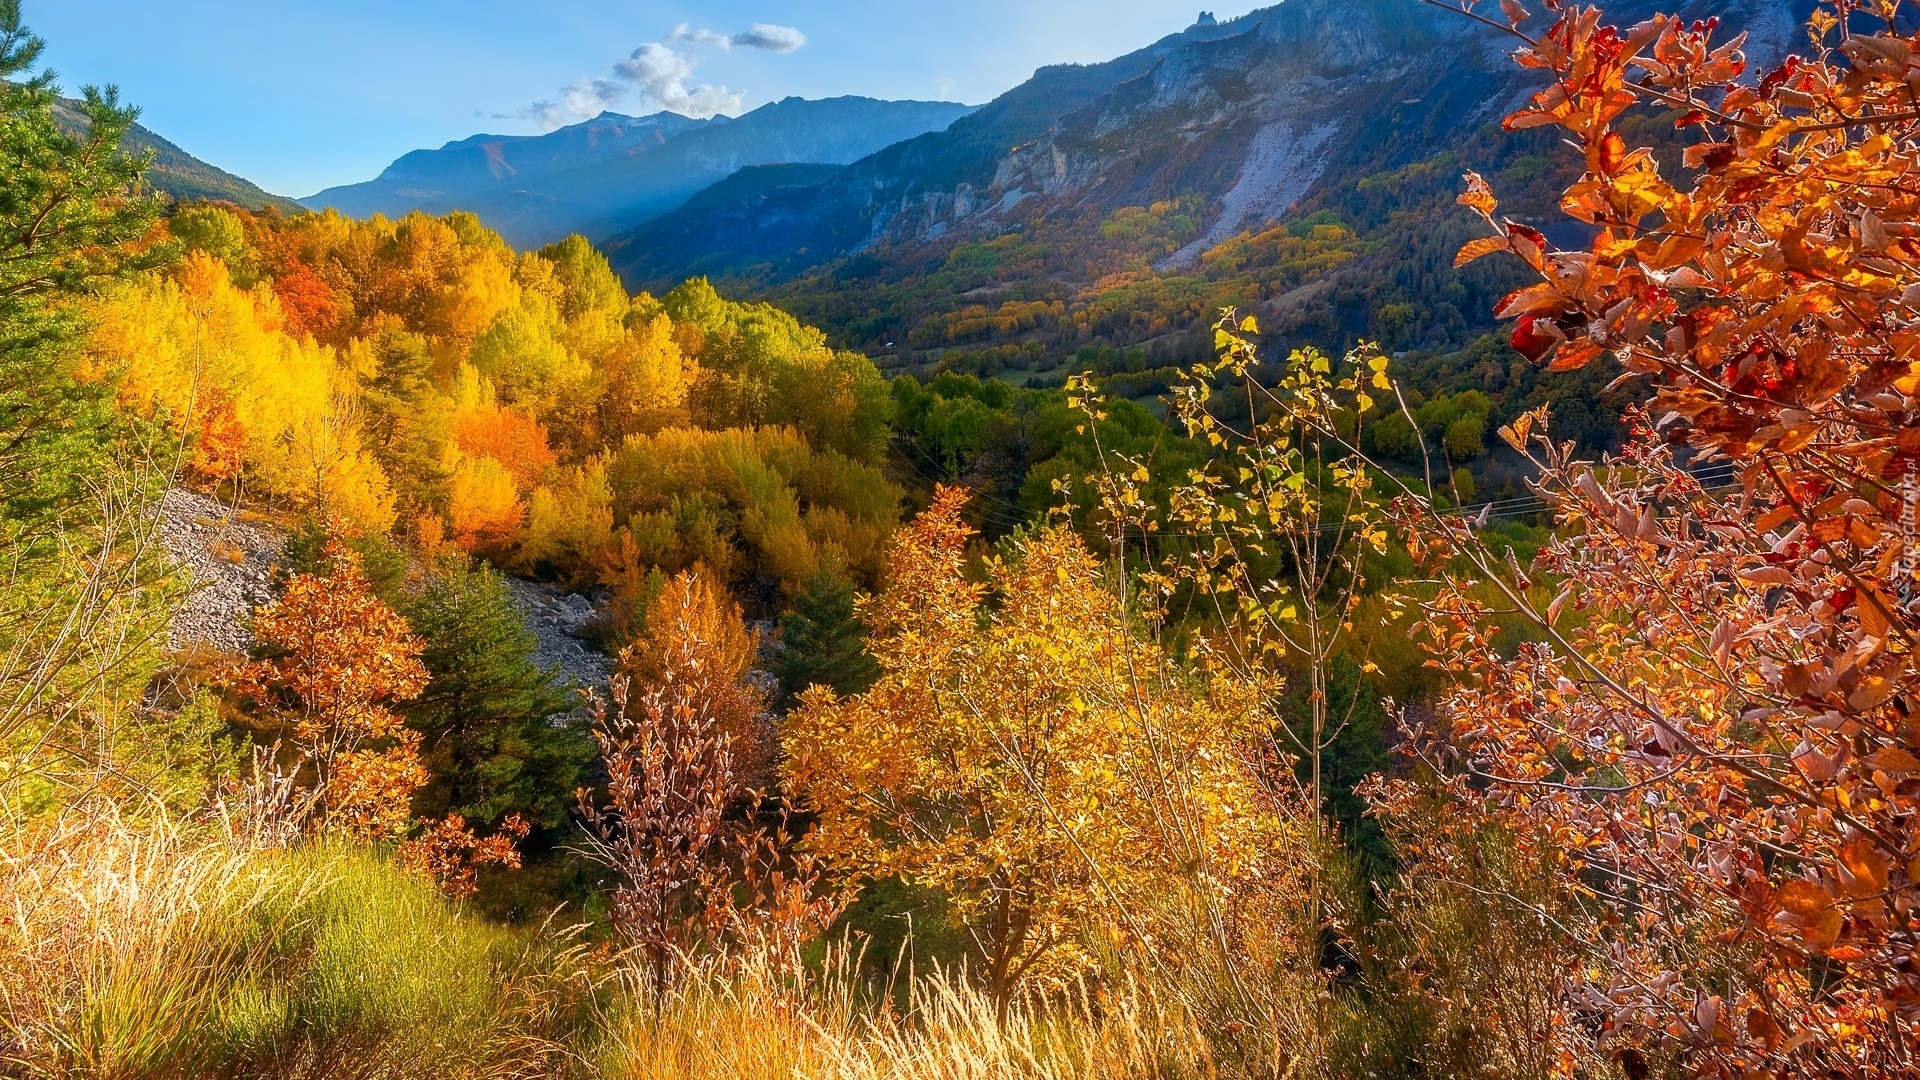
<point x="611" y="172"/>
<point x="1249" y="115"/>
<point x="181" y="175"/>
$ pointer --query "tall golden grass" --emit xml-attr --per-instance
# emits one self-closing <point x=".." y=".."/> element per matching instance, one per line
<point x="758" y="1019"/>
<point x="168" y="951"/>
<point x="161" y="951"/>
<point x="165" y="951"/>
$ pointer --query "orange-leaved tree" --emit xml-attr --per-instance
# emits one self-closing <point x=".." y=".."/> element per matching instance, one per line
<point x="446" y="852"/>
<point x="694" y="611"/>
<point x="336" y="661"/>
<point x="1716" y="733"/>
<point x="1038" y="761"/>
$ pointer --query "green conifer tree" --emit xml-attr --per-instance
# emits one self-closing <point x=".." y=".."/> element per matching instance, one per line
<point x="490" y="743"/>
<point x="823" y="642"/>
<point x="71" y="207"/>
<point x="76" y="607"/>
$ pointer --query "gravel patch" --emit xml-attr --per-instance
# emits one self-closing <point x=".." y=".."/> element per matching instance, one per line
<point x="230" y="565"/>
<point x="557" y="620"/>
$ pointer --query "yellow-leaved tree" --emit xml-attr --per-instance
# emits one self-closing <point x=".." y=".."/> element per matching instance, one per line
<point x="274" y="412"/>
<point x="1032" y="756"/>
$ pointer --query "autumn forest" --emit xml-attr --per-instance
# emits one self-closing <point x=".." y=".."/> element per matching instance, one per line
<point x="1459" y="626"/>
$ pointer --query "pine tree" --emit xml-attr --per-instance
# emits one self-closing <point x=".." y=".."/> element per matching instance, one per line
<point x="70" y="210"/>
<point x="405" y="417"/>
<point x="823" y="641"/>
<point x="489" y="744"/>
<point x="78" y="614"/>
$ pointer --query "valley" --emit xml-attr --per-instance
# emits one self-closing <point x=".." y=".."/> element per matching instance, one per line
<point x="1354" y="540"/>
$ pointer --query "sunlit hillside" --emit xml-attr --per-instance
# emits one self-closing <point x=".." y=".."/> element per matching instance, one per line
<point x="1218" y="586"/>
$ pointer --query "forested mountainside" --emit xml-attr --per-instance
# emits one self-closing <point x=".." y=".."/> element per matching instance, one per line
<point x="1243" y="717"/>
<point x="1299" y="162"/>
<point x="614" y="172"/>
<point x="180" y="175"/>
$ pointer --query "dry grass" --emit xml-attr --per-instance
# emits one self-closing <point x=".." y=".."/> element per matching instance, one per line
<point x="168" y="952"/>
<point x="120" y="944"/>
<point x="234" y="554"/>
<point x="154" y="953"/>
<point x="757" y="1022"/>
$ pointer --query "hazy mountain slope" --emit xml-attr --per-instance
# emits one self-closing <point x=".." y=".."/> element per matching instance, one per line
<point x="611" y="172"/>
<point x="505" y="178"/>
<point x="1249" y="115"/>
<point x="722" y="228"/>
<point x="808" y="225"/>
<point x="1300" y="161"/>
<point x="180" y="174"/>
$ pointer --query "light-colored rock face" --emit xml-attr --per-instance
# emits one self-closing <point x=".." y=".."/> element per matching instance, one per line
<point x="1242" y="112"/>
<point x="1284" y="160"/>
<point x="1247" y="113"/>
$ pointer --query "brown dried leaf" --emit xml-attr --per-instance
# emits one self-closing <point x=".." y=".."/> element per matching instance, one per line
<point x="1892" y="759"/>
<point x="1767" y="576"/>
<point x="1559" y="604"/>
<point x="1480" y="249"/>
<point x="1873" y="615"/>
<point x="1479" y="195"/>
<point x="1723" y="642"/>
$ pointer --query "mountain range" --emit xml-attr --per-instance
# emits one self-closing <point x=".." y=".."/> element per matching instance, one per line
<point x="1300" y="161"/>
<point x="1250" y="115"/>
<point x="613" y="172"/>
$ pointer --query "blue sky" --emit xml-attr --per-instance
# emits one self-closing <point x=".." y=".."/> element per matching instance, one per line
<point x="299" y="95"/>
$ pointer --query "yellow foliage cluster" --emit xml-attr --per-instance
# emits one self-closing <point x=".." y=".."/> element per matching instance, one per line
<point x="421" y="372"/>
<point x="196" y="350"/>
<point x="1035" y="759"/>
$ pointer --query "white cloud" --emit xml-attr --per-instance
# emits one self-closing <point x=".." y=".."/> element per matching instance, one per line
<point x="767" y="36"/>
<point x="683" y="32"/>
<point x="777" y="39"/>
<point x="584" y="100"/>
<point x="591" y="97"/>
<point x="653" y="67"/>
<point x="658" y="76"/>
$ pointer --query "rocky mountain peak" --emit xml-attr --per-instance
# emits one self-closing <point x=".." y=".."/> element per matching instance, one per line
<point x="1246" y="115"/>
<point x="607" y="173"/>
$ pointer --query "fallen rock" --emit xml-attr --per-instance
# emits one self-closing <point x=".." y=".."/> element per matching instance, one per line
<point x="231" y="563"/>
<point x="557" y="620"/>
